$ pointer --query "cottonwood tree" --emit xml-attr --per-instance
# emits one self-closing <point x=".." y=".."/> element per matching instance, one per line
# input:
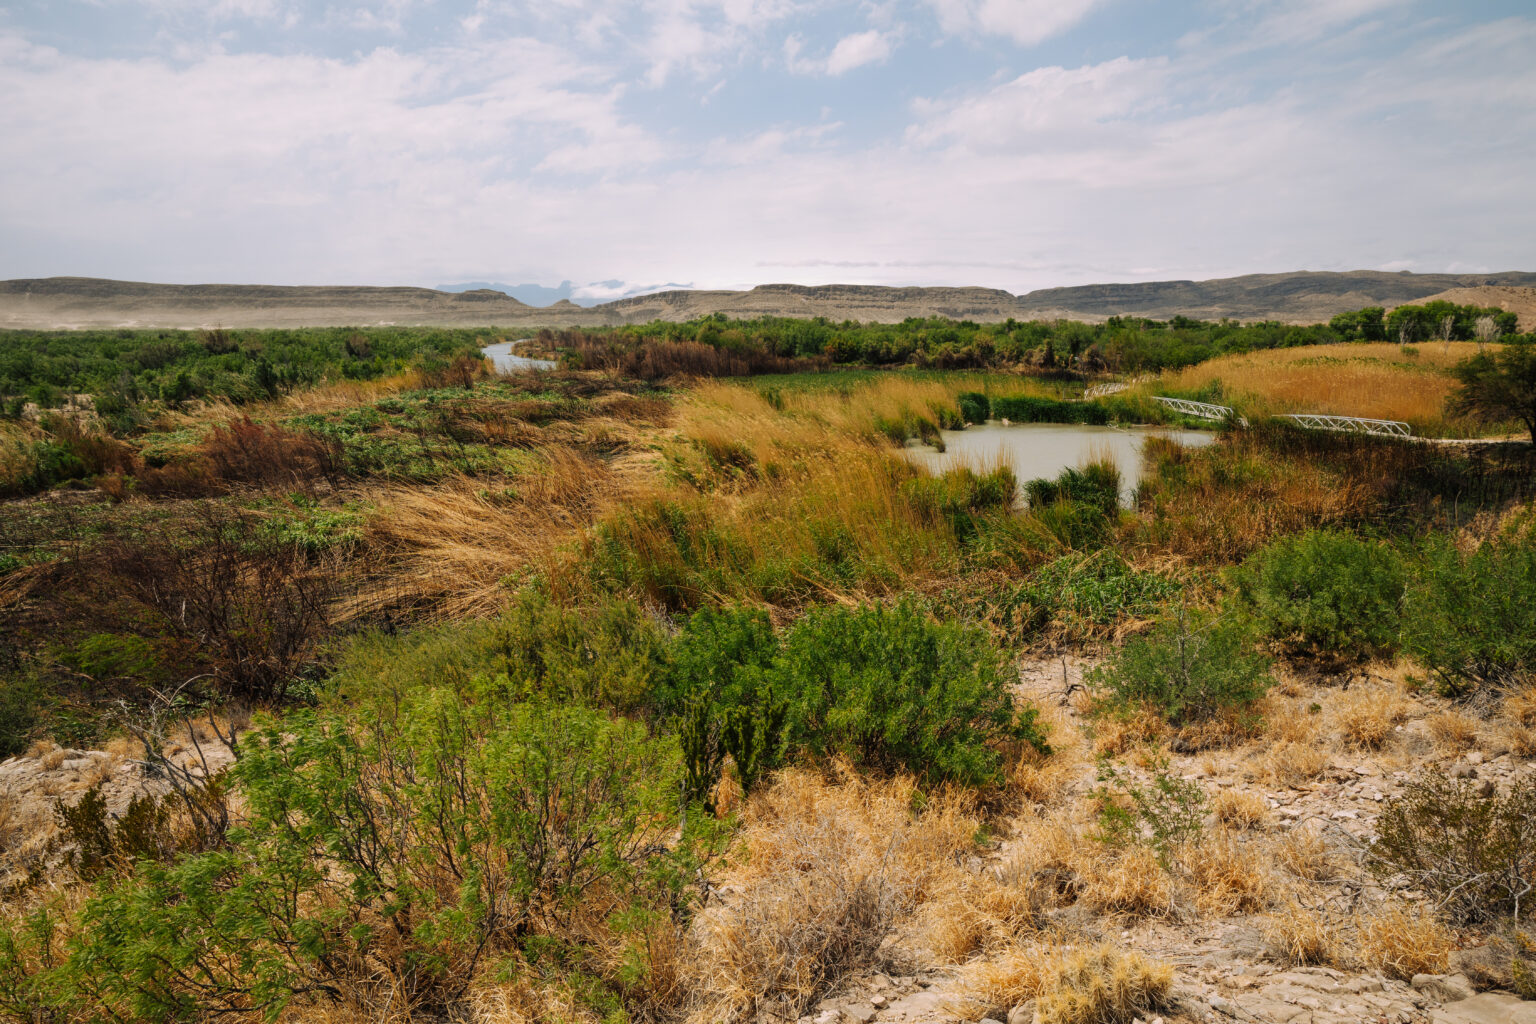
<point x="1499" y="385"/>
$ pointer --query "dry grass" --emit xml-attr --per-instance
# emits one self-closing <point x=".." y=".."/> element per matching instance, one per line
<point x="1452" y="730"/>
<point x="1300" y="936"/>
<point x="829" y="870"/>
<point x="1241" y="809"/>
<point x="1291" y="763"/>
<point x="1378" y="381"/>
<point x="1401" y="941"/>
<point x="1368" y="715"/>
<point x="1305" y="854"/>
<point x="1115" y="735"/>
<point x="1230" y="874"/>
<point x="1098" y="985"/>
<point x="1128" y="884"/>
<point x="455" y="547"/>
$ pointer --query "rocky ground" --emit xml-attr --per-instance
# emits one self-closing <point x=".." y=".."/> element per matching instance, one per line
<point x="1229" y="968"/>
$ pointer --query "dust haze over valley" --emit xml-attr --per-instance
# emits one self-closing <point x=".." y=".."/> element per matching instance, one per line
<point x="1031" y="518"/>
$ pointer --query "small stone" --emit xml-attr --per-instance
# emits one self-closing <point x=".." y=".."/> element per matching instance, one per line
<point x="1463" y="771"/>
<point x="828" y="1017"/>
<point x="988" y="1020"/>
<point x="861" y="1014"/>
<point x="1476" y="757"/>
<point x="879" y="1002"/>
<point x="1024" y="1013"/>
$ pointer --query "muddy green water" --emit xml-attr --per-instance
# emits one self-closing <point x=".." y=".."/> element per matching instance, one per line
<point x="1045" y="449"/>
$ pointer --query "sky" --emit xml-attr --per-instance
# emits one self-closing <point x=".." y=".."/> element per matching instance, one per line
<point x="622" y="146"/>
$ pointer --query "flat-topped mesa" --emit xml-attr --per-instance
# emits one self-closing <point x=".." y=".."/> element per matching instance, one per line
<point x="1301" y="297"/>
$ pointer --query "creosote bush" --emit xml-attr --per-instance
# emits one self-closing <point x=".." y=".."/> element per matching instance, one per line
<point x="1475" y="855"/>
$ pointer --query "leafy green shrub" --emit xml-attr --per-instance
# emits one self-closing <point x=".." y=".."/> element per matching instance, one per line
<point x="887" y="688"/>
<point x="1470" y="618"/>
<point x="1165" y="814"/>
<point x="1326" y="591"/>
<point x="974" y="407"/>
<point x="1475" y="855"/>
<point x="890" y="689"/>
<point x="1190" y="668"/>
<point x="94" y="842"/>
<point x="724" y="698"/>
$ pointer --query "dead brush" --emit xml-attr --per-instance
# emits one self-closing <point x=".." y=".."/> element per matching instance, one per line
<point x="1096" y="985"/>
<point x="1401" y="941"/>
<point x="830" y="867"/>
<point x="1367" y="716"/>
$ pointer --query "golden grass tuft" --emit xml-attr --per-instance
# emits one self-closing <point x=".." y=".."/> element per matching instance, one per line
<point x="1230" y="874"/>
<point x="1452" y="730"/>
<point x="1241" y="809"/>
<point x="1368" y="715"/>
<point x="1131" y="883"/>
<point x="1520" y="706"/>
<point x="1300" y="936"/>
<point x="1402" y="941"/>
<point x="1098" y="985"/>
<point x="1304" y="853"/>
<point x="1291" y="763"/>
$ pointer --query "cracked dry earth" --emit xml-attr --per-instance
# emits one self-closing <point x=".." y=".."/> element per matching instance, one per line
<point x="1333" y="754"/>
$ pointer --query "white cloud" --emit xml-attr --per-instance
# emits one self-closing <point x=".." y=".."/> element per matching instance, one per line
<point x="1026" y="22"/>
<point x="857" y="50"/>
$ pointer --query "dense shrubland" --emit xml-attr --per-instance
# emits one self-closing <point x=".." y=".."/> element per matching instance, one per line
<point x="720" y="346"/>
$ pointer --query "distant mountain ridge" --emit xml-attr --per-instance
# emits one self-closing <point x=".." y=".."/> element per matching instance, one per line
<point x="1300" y="297"/>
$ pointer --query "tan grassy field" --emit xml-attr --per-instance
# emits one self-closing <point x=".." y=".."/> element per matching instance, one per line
<point x="1377" y="381"/>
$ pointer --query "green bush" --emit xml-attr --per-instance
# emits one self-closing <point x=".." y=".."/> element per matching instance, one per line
<point x="724" y="698"/>
<point x="974" y="407"/>
<point x="887" y="688"/>
<point x="1470" y="618"/>
<point x="1326" y="592"/>
<point x="381" y="860"/>
<point x="1475" y="855"/>
<point x="890" y="689"/>
<point x="1190" y="668"/>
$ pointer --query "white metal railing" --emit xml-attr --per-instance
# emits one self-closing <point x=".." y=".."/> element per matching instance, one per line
<point x="1351" y="424"/>
<point x="1112" y="388"/>
<point x="1201" y="410"/>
